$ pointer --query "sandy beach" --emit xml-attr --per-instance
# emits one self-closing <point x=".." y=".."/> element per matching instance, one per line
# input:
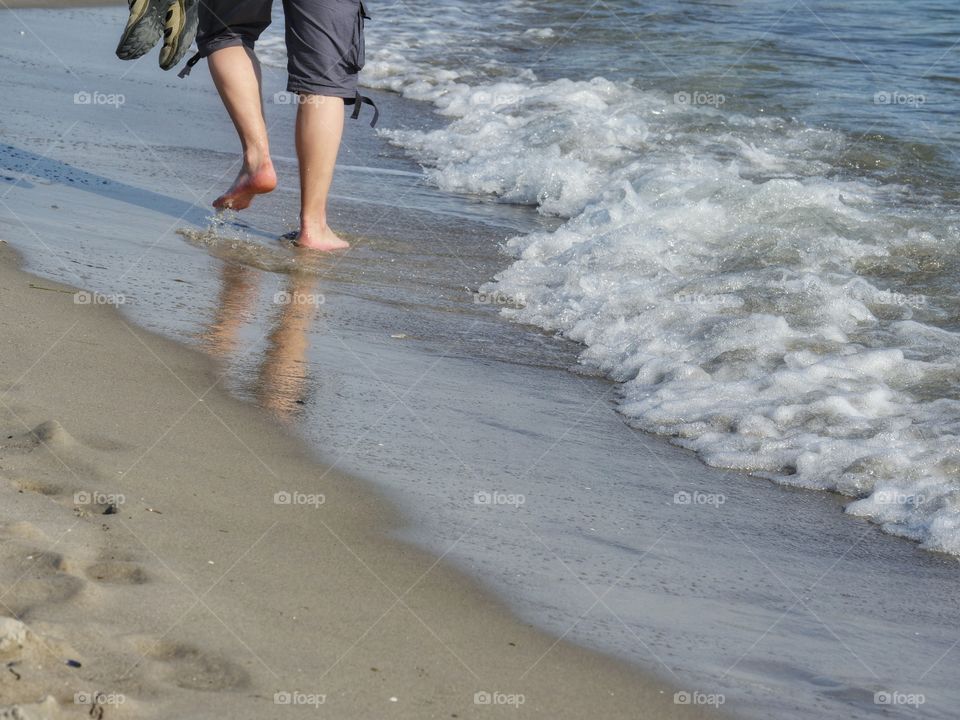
<point x="150" y="567"/>
<point x="237" y="482"/>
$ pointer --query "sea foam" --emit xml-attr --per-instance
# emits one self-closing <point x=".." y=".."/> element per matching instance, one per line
<point x="757" y="301"/>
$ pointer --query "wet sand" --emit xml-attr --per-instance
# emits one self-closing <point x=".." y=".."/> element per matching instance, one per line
<point x="167" y="551"/>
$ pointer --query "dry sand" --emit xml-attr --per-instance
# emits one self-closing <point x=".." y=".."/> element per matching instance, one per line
<point x="140" y="537"/>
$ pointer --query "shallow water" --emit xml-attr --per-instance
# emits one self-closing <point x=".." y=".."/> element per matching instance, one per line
<point x="759" y="220"/>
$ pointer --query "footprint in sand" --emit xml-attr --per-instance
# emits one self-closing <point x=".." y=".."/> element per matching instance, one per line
<point x="84" y="503"/>
<point x="191" y="668"/>
<point x="43" y="458"/>
<point x="23" y="530"/>
<point x="43" y="710"/>
<point x="50" y="434"/>
<point x="38" y="486"/>
<point x="117" y="572"/>
<point x="33" y="577"/>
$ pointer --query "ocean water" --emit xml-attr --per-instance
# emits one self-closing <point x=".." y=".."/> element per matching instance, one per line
<point x="757" y="216"/>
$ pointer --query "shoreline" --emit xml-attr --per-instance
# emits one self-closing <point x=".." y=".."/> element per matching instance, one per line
<point x="774" y="598"/>
<point x="198" y="592"/>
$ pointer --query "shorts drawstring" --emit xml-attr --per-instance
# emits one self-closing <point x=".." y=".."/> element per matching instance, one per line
<point x="360" y="99"/>
<point x="189" y="66"/>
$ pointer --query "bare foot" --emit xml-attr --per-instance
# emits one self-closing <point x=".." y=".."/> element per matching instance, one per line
<point x="249" y="183"/>
<point x="314" y="236"/>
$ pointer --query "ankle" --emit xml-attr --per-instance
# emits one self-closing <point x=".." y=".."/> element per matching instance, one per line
<point x="256" y="158"/>
<point x="314" y="223"/>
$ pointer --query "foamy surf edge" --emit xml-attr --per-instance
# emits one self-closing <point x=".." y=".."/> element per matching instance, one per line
<point x="758" y="304"/>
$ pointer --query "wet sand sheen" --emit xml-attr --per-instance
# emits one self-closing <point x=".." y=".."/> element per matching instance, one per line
<point x="146" y="537"/>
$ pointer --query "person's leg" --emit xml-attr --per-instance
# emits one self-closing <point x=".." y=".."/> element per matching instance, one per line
<point x="236" y="74"/>
<point x="324" y="54"/>
<point x="319" y="129"/>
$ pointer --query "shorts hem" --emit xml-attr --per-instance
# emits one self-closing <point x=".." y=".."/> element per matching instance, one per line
<point x="207" y="48"/>
<point x="301" y="87"/>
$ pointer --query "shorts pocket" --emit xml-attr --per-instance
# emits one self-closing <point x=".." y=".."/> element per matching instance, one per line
<point x="358" y="50"/>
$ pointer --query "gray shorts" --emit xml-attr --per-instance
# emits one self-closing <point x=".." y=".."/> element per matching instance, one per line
<point x="325" y="48"/>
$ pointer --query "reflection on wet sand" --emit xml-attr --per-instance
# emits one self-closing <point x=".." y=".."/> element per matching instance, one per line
<point x="284" y="370"/>
<point x="281" y="378"/>
<point x="238" y="293"/>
